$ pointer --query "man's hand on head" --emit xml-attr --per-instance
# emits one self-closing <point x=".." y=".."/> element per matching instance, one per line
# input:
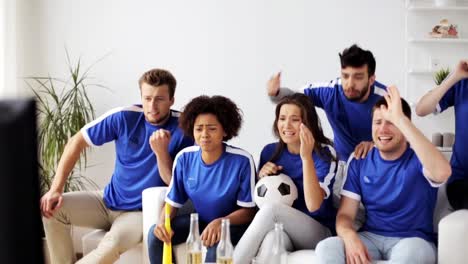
<point x="393" y="112"/>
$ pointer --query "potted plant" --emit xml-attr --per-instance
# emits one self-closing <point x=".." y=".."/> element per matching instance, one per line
<point x="63" y="109"/>
<point x="440" y="75"/>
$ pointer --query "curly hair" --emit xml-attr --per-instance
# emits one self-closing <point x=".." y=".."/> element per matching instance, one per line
<point x="225" y="110"/>
<point x="310" y="119"/>
<point x="158" y="77"/>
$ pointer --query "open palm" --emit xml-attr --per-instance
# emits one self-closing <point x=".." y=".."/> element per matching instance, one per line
<point x="307" y="141"/>
<point x="393" y="111"/>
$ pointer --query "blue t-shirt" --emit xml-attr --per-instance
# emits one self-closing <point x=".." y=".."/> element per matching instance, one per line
<point x="217" y="189"/>
<point x="457" y="96"/>
<point x="325" y="169"/>
<point x="398" y="198"/>
<point x="136" y="167"/>
<point x="351" y="121"/>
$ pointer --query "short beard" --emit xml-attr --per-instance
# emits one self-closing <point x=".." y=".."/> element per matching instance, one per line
<point x="361" y="95"/>
<point x="161" y="120"/>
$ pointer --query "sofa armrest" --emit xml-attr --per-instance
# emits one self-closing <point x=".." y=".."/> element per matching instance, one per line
<point x="152" y="203"/>
<point x="453" y="238"/>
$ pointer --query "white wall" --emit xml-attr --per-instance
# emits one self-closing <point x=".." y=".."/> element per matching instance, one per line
<point x="8" y="87"/>
<point x="213" y="47"/>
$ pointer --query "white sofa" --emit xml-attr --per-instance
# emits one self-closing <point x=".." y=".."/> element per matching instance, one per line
<point x="452" y="248"/>
<point x="453" y="231"/>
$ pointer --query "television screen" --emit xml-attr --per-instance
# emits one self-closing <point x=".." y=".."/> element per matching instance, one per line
<point x="20" y="220"/>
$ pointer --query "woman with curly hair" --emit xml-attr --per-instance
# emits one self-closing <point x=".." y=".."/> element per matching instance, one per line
<point x="306" y="155"/>
<point x="218" y="178"/>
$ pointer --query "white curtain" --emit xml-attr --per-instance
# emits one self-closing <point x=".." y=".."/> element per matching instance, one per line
<point x="8" y="82"/>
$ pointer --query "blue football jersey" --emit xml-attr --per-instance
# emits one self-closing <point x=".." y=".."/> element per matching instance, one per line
<point x="136" y="167"/>
<point x="399" y="199"/>
<point x="325" y="169"/>
<point x="351" y="122"/>
<point x="216" y="189"/>
<point x="457" y="96"/>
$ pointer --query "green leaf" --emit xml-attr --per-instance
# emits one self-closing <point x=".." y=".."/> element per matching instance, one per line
<point x="62" y="112"/>
<point x="440" y="75"/>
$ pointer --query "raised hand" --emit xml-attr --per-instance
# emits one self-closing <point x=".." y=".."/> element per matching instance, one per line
<point x="273" y="84"/>
<point x="307" y="141"/>
<point x="393" y="111"/>
<point x="269" y="168"/>
<point x="461" y="71"/>
<point x="159" y="141"/>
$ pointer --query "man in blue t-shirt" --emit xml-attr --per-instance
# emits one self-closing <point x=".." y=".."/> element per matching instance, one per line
<point x="347" y="101"/>
<point x="397" y="185"/>
<point x="147" y="139"/>
<point x="453" y="91"/>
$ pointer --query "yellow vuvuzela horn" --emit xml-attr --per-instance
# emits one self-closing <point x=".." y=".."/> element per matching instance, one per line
<point x="167" y="250"/>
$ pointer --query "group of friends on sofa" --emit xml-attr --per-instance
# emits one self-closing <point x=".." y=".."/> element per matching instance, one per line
<point x="388" y="165"/>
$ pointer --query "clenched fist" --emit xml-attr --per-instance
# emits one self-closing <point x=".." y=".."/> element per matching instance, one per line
<point x="159" y="141"/>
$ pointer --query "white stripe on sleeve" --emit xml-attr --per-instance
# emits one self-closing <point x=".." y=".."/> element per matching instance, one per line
<point x="351" y="195"/>
<point x="84" y="130"/>
<point x="252" y="174"/>
<point x="331" y="173"/>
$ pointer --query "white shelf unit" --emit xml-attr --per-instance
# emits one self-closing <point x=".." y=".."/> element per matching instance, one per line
<point x="425" y="55"/>
<point x="438" y="40"/>
<point x="416" y="71"/>
<point x="429" y="7"/>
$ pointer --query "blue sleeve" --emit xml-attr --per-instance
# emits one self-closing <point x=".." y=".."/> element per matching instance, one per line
<point x="181" y="141"/>
<point x="247" y="184"/>
<point x="421" y="170"/>
<point x="320" y="93"/>
<point x="448" y="99"/>
<point x="325" y="170"/>
<point x="176" y="195"/>
<point x="351" y="187"/>
<point x="105" y="128"/>
<point x="264" y="157"/>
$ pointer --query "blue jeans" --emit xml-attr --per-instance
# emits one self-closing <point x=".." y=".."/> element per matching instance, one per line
<point x="395" y="249"/>
<point x="181" y="227"/>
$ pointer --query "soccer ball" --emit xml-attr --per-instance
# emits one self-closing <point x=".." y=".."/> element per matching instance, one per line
<point x="275" y="189"/>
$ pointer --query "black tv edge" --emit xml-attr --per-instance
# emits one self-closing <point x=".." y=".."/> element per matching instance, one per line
<point x="20" y="218"/>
